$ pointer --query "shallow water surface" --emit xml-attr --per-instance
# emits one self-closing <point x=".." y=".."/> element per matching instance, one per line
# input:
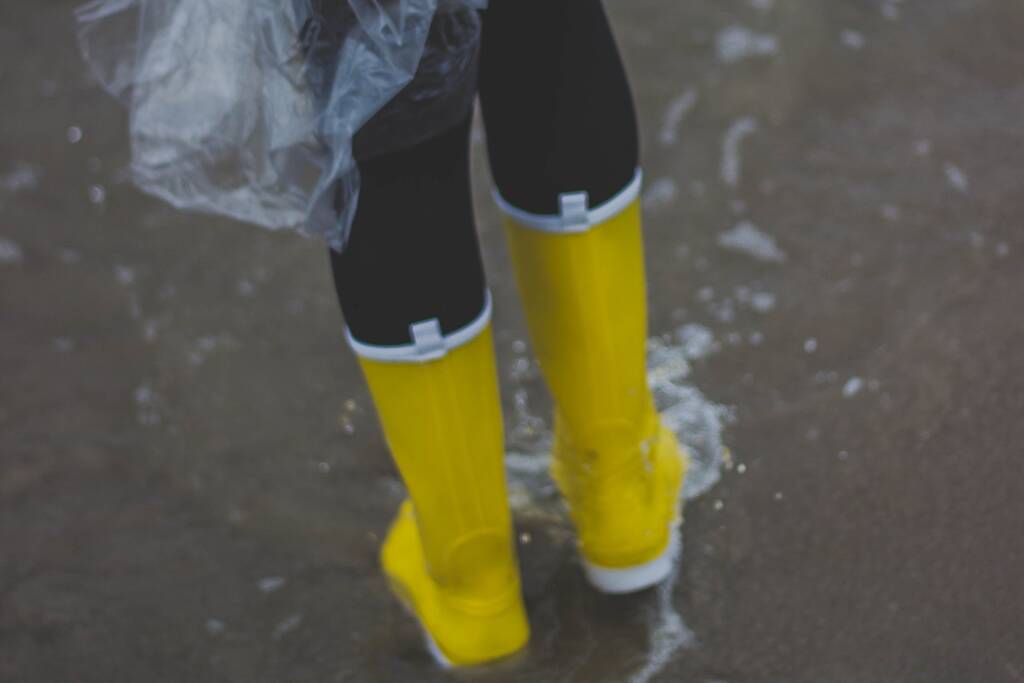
<point x="193" y="487"/>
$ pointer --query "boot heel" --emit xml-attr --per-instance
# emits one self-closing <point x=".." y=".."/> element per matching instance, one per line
<point x="621" y="580"/>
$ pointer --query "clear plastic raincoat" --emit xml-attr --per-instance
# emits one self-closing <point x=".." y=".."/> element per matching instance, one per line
<point x="250" y="108"/>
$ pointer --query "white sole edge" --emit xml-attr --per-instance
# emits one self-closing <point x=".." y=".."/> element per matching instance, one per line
<point x="432" y="647"/>
<point x="637" y="577"/>
<point x="435" y="651"/>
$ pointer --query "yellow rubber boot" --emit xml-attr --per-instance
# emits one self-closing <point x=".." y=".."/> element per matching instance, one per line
<point x="621" y="471"/>
<point x="449" y="554"/>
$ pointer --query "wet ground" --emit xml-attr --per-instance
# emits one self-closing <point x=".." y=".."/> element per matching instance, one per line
<point x="193" y="488"/>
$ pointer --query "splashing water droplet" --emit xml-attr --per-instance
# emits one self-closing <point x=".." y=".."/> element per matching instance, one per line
<point x="956" y="177"/>
<point x="852" y="39"/>
<point x="853" y="387"/>
<point x="10" y="253"/>
<point x="287" y="626"/>
<point x="269" y="584"/>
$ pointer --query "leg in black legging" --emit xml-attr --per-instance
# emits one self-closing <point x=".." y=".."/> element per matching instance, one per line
<point x="556" y="103"/>
<point x="411" y="286"/>
<point x="563" y="144"/>
<point x="412" y="254"/>
<point x="559" y="118"/>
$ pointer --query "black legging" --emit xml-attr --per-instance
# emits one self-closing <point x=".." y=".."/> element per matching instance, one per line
<point x="559" y="118"/>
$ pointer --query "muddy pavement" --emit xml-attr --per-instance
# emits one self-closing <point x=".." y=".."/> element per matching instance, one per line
<point x="193" y="487"/>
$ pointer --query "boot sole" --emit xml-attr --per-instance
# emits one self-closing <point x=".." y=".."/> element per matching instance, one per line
<point x="399" y="591"/>
<point x="636" y="578"/>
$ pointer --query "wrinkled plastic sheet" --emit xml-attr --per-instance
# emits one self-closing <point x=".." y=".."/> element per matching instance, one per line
<point x="250" y="108"/>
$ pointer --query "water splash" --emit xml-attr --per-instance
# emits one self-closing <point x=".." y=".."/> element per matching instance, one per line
<point x="699" y="425"/>
<point x="667" y="632"/>
<point x="697" y="422"/>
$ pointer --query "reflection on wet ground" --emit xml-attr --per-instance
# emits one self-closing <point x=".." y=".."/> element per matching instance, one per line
<point x="192" y="485"/>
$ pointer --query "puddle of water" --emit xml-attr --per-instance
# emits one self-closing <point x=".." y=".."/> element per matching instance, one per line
<point x="698" y="423"/>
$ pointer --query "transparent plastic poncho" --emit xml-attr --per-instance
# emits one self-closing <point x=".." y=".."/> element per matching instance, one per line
<point x="251" y="108"/>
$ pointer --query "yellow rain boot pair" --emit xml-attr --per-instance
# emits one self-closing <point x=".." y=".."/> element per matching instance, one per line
<point x="581" y="277"/>
<point x="449" y="554"/>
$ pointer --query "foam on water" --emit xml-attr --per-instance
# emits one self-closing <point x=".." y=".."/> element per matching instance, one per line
<point x="97" y="194"/>
<point x="667" y="633"/>
<point x="747" y="238"/>
<point x="270" y="584"/>
<point x="149" y="405"/>
<point x="734" y="136"/>
<point x="695" y="341"/>
<point x="660" y="193"/>
<point x="10" y="253"/>
<point x="214" y="627"/>
<point x="24" y="177"/>
<point x="761" y="302"/>
<point x="207" y="345"/>
<point x="956" y="177"/>
<point x="286" y="626"/>
<point x="852" y="39"/>
<point x="734" y="43"/>
<point x="674" y="115"/>
<point x="125" y="275"/>
<point x="699" y="425"/>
